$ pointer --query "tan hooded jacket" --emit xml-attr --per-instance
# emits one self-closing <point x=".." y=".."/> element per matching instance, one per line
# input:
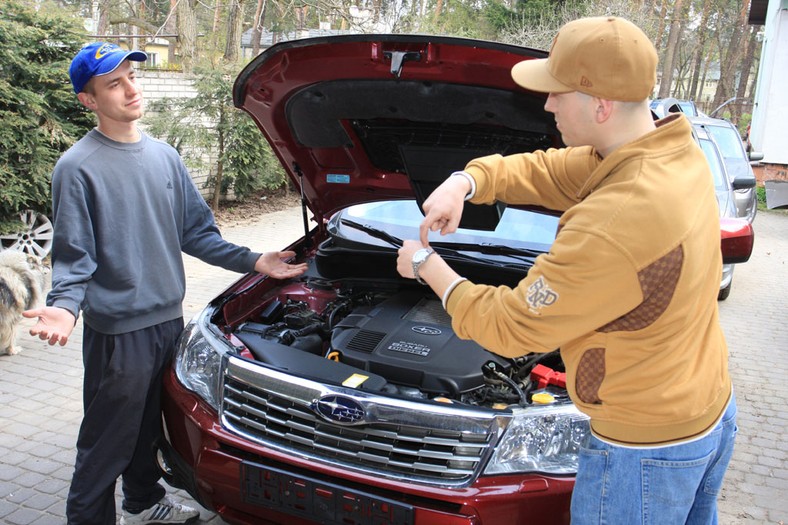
<point x="628" y="290"/>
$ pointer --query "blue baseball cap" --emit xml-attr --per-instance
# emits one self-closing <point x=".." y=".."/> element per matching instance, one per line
<point x="99" y="58"/>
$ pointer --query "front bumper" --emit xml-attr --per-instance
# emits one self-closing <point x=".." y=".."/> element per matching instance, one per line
<point x="246" y="483"/>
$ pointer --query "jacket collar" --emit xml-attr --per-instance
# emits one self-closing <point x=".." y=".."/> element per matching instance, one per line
<point x="671" y="132"/>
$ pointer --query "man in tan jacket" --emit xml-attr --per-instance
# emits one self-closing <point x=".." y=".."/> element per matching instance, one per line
<point x="628" y="290"/>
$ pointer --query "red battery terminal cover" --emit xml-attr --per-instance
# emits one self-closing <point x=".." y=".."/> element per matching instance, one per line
<point x="544" y="376"/>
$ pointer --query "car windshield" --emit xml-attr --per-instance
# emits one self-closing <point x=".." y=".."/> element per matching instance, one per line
<point x="518" y="229"/>
<point x="688" y="108"/>
<point x="728" y="140"/>
<point x="715" y="163"/>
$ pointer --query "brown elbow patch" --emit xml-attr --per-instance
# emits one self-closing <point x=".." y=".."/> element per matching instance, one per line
<point x="590" y="373"/>
<point x="658" y="282"/>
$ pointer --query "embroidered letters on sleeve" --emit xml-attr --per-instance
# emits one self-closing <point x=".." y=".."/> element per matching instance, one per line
<point x="540" y="295"/>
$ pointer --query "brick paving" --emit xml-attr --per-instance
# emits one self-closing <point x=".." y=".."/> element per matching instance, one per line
<point x="41" y="388"/>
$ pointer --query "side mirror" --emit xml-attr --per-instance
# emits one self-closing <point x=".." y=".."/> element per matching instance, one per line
<point x="755" y="156"/>
<point x="737" y="240"/>
<point x="743" y="182"/>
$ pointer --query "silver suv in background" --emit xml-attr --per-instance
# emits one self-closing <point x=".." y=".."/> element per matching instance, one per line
<point x="726" y="193"/>
<point x="734" y="153"/>
<point x="737" y="163"/>
<point x="661" y="107"/>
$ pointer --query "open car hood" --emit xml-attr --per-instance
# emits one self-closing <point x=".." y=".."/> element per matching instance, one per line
<point x="363" y="118"/>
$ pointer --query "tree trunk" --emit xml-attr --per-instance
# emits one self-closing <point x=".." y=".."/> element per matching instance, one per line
<point x="217" y="190"/>
<point x="102" y="24"/>
<point x="670" y="52"/>
<point x="741" y="90"/>
<point x="704" y="20"/>
<point x="680" y="65"/>
<point x="730" y="63"/>
<point x="704" y="103"/>
<point x="187" y="31"/>
<point x="258" y="25"/>
<point x="300" y="14"/>
<point x="663" y="12"/>
<point x="217" y="17"/>
<point x="170" y="28"/>
<point x="234" y="28"/>
<point x="376" y="9"/>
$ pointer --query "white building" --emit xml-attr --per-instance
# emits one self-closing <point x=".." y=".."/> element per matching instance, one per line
<point x="769" y="126"/>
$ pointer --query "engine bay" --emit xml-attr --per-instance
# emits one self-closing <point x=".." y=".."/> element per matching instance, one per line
<point x="390" y="339"/>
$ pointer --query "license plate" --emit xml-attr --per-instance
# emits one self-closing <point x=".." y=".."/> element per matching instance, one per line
<point x="317" y="500"/>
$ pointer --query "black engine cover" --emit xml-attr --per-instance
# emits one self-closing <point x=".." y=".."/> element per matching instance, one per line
<point x="408" y="339"/>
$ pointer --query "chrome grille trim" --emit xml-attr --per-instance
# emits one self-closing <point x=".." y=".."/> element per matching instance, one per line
<point x="400" y="439"/>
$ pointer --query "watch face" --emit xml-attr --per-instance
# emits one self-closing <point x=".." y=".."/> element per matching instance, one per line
<point x="420" y="255"/>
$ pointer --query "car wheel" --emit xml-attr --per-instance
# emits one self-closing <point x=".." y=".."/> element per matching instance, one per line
<point x="725" y="292"/>
<point x="35" y="236"/>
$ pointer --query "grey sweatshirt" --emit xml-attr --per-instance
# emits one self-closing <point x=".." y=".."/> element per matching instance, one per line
<point x="122" y="215"/>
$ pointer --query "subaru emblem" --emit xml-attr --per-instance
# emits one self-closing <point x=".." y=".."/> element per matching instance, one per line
<point x="340" y="409"/>
<point x="426" y="330"/>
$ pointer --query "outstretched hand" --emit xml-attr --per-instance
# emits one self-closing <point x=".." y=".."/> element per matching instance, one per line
<point x="443" y="208"/>
<point x="274" y="264"/>
<point x="54" y="324"/>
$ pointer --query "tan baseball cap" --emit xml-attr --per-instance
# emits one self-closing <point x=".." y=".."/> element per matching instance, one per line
<point x="606" y="57"/>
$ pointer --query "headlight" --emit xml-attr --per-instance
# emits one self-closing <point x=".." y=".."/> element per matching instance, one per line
<point x="541" y="439"/>
<point x="198" y="360"/>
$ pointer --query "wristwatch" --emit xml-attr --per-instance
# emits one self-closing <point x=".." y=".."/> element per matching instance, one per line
<point x="419" y="256"/>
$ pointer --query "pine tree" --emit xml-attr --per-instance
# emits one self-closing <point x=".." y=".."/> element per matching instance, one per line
<point x="40" y="114"/>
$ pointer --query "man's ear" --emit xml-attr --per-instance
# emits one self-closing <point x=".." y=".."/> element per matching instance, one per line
<point x="604" y="109"/>
<point x="87" y="100"/>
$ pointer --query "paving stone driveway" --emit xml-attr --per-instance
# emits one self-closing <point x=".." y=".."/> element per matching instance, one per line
<point x="41" y="406"/>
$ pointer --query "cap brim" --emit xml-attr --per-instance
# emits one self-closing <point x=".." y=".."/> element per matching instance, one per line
<point x="113" y="61"/>
<point x="533" y="75"/>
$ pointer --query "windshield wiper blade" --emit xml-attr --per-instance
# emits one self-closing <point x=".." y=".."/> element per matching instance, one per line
<point x="446" y="247"/>
<point x="487" y="249"/>
<point x="374" y="232"/>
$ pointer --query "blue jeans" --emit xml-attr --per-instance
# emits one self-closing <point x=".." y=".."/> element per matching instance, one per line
<point x="671" y="485"/>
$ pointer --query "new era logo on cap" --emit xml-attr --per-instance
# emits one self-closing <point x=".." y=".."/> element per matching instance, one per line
<point x="99" y="58"/>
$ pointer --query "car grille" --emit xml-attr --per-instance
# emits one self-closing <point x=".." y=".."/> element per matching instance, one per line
<point x="401" y="439"/>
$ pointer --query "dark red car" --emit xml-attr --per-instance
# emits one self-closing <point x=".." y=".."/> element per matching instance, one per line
<point x="344" y="397"/>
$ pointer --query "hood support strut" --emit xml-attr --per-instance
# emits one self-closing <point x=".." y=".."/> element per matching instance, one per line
<point x="307" y="236"/>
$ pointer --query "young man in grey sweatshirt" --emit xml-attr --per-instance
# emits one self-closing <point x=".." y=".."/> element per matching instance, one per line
<point x="124" y="208"/>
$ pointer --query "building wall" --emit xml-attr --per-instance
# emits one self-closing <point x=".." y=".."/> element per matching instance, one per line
<point x="764" y="172"/>
<point x="157" y="85"/>
<point x="770" y="115"/>
<point x="165" y="84"/>
<point x="158" y="54"/>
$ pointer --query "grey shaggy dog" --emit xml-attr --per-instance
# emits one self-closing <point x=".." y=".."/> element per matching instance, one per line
<point x="22" y="282"/>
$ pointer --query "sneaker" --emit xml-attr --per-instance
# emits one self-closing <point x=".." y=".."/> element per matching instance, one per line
<point x="165" y="511"/>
